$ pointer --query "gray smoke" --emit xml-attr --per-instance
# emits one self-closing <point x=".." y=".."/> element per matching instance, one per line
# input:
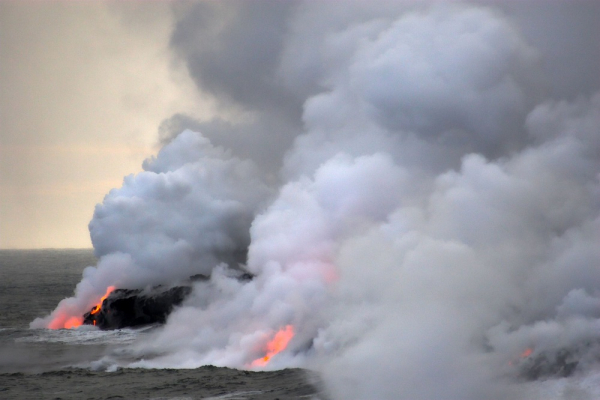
<point x="413" y="189"/>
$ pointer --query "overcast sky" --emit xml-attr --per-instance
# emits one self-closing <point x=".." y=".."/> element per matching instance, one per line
<point x="88" y="90"/>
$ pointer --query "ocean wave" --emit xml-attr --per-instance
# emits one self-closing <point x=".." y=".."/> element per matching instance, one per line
<point x="84" y="335"/>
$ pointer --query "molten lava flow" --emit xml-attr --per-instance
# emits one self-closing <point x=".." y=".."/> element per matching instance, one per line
<point x="64" y="321"/>
<point x="98" y="306"/>
<point x="276" y="345"/>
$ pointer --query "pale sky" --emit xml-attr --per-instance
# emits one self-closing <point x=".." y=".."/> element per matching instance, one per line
<point x="83" y="90"/>
<point x="87" y="88"/>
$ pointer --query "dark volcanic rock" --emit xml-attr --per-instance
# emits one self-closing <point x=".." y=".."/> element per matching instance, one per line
<point x="136" y="307"/>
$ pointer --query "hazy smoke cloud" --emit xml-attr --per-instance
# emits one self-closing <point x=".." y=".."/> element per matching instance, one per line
<point x="232" y="51"/>
<point x="437" y="216"/>
<point x="189" y="211"/>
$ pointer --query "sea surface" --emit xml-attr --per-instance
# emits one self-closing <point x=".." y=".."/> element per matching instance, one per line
<point x="63" y="364"/>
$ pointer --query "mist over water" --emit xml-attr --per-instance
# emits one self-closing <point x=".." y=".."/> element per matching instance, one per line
<point x="432" y="215"/>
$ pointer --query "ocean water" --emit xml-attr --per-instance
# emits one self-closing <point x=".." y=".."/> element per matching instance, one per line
<point x="32" y="282"/>
<point x="63" y="364"/>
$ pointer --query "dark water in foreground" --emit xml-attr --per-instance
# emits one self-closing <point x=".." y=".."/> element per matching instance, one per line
<point x="62" y="364"/>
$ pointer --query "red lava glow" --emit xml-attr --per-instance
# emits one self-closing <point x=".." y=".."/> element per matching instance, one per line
<point x="526" y="353"/>
<point x="65" y="321"/>
<point x="62" y="321"/>
<point x="276" y="345"/>
<point x="73" y="322"/>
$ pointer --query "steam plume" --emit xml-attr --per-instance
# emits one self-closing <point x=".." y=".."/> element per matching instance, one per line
<point x="436" y="217"/>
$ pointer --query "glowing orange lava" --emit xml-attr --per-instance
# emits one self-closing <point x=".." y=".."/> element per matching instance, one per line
<point x="65" y="321"/>
<point x="276" y="345"/>
<point x="98" y="306"/>
<point x="73" y="322"/>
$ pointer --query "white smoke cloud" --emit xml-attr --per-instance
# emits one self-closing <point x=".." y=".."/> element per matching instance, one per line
<point x="436" y="218"/>
<point x="189" y="211"/>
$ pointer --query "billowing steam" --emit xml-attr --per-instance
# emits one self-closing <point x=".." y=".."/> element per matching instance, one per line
<point x="434" y="226"/>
